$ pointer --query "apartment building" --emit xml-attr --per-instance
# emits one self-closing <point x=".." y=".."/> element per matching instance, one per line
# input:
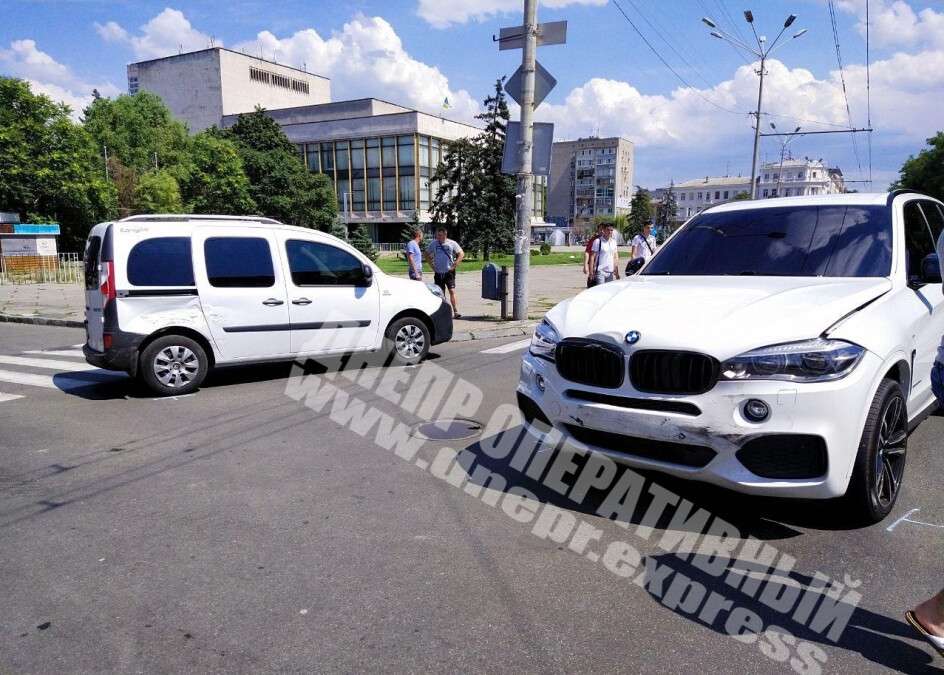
<point x="589" y="177"/>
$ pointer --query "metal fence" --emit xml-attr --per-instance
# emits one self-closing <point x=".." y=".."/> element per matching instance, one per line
<point x="387" y="248"/>
<point x="64" y="268"/>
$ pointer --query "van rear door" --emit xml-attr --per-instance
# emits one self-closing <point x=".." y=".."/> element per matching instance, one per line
<point x="94" y="302"/>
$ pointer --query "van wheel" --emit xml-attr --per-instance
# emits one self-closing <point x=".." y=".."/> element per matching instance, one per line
<point x="173" y="365"/>
<point x="409" y="340"/>
<point x="880" y="464"/>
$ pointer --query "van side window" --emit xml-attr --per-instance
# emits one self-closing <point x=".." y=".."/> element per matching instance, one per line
<point x="161" y="261"/>
<point x="918" y="241"/>
<point x="91" y="262"/>
<point x="239" y="262"/>
<point x="315" y="264"/>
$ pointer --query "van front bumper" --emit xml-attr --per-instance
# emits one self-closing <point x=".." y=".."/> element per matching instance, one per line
<point x="714" y="442"/>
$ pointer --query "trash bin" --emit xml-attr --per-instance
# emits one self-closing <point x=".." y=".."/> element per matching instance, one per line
<point x="491" y="282"/>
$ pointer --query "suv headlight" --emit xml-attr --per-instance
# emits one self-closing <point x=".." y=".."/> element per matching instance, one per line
<point x="817" y="360"/>
<point x="544" y="341"/>
<point x="435" y="290"/>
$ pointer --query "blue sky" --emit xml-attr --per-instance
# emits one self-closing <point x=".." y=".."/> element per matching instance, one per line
<point x="418" y="51"/>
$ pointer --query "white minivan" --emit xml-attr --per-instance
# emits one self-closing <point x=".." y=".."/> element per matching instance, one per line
<point x="170" y="296"/>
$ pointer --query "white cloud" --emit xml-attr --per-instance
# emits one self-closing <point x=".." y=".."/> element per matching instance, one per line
<point x="366" y="58"/>
<point x="25" y="60"/>
<point x="444" y="13"/>
<point x="167" y="33"/>
<point x="896" y="24"/>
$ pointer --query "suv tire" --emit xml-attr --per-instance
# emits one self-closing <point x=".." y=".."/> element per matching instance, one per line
<point x="173" y="365"/>
<point x="880" y="465"/>
<point x="407" y="341"/>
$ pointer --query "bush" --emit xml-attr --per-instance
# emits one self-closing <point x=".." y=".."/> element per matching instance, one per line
<point x="535" y="252"/>
<point x="545" y="249"/>
<point x="362" y="242"/>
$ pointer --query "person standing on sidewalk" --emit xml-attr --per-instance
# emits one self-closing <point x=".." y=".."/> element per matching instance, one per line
<point x="445" y="255"/>
<point x="587" y="252"/>
<point x="643" y="244"/>
<point x="414" y="257"/>
<point x="604" y="257"/>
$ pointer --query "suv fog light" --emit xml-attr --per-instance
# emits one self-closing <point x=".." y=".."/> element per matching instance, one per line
<point x="541" y="384"/>
<point x="756" y="410"/>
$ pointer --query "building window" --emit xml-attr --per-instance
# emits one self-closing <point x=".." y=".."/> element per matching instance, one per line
<point x="389" y="152"/>
<point x="276" y="80"/>
<point x="717" y="195"/>
<point x="405" y="151"/>
<point x="357" y="194"/>
<point x="341" y="155"/>
<point x="373" y="153"/>
<point x="133" y="85"/>
<point x="699" y="195"/>
<point x="327" y="158"/>
<point x="725" y="194"/>
<point x="682" y="197"/>
<point x="407" y="193"/>
<point x="373" y="194"/>
<point x="765" y="192"/>
<point x="314" y="157"/>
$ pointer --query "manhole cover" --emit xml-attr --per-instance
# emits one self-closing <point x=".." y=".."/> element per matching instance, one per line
<point x="448" y="430"/>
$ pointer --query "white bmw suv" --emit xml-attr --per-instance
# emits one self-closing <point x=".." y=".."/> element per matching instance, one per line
<point x="781" y="347"/>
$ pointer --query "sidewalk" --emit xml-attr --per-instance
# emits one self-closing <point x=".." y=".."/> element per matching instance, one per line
<point x="64" y="304"/>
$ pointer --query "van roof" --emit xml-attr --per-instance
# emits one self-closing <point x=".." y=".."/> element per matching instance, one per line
<point x="177" y="217"/>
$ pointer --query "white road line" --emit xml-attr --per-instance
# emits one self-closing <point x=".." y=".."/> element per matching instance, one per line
<point x="510" y="347"/>
<point x="62" y="382"/>
<point x="59" y="352"/>
<point x="47" y="364"/>
<point x="8" y="397"/>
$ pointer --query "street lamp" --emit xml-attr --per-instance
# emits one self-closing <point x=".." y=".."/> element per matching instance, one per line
<point x="762" y="51"/>
<point x="788" y="139"/>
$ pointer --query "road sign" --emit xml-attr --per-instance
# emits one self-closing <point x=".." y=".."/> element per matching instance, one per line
<point x="551" y="33"/>
<point x="541" y="151"/>
<point x="543" y="83"/>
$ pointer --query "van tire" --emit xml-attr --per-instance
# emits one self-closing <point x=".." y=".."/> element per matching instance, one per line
<point x="407" y="341"/>
<point x="879" y="468"/>
<point x="186" y="365"/>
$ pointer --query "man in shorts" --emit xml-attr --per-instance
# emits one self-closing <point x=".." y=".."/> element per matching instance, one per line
<point x="444" y="255"/>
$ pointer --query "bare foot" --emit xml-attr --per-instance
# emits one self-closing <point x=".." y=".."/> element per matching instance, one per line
<point x="930" y="614"/>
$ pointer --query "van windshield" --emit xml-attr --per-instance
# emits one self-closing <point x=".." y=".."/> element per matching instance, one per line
<point x="795" y="241"/>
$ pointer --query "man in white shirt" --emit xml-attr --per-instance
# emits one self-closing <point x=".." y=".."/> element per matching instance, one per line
<point x="643" y="244"/>
<point x="604" y="257"/>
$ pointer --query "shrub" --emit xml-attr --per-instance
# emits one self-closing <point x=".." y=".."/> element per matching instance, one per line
<point x="545" y="249"/>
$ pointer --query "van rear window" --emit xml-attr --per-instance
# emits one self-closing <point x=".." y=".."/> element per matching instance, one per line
<point x="161" y="261"/>
<point x="91" y="262"/>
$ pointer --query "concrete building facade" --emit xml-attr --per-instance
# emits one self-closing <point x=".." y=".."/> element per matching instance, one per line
<point x="797" y="177"/>
<point x="590" y="177"/>
<point x="202" y="87"/>
<point x="692" y="196"/>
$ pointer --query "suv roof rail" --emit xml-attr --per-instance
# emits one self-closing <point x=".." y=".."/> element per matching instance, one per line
<point x="166" y="218"/>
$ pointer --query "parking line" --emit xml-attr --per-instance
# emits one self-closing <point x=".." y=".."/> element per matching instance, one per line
<point x="47" y="364"/>
<point x="8" y="397"/>
<point x="506" y="349"/>
<point x="58" y="352"/>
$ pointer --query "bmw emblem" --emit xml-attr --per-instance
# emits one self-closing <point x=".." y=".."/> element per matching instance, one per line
<point x="632" y="337"/>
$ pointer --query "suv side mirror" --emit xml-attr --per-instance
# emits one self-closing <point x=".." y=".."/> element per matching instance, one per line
<point x="634" y="266"/>
<point x="931" y="269"/>
<point x="367" y="276"/>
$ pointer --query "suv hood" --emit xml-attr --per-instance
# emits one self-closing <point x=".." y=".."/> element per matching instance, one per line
<point x="721" y="316"/>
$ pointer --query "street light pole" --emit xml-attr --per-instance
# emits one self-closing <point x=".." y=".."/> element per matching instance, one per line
<point x="761" y="52"/>
<point x="525" y="192"/>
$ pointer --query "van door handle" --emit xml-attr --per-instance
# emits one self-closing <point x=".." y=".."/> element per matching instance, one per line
<point x="301" y="301"/>
<point x="273" y="302"/>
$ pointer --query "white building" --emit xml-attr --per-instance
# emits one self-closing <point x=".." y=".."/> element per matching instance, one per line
<point x="797" y="177"/>
<point x="201" y="87"/>
<point x="696" y="195"/>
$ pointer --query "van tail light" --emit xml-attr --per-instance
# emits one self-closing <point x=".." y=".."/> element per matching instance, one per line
<point x="106" y="340"/>
<point x="107" y="282"/>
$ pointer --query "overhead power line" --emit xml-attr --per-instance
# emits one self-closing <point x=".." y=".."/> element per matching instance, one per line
<point x="831" y="5"/>
<point x="868" y="87"/>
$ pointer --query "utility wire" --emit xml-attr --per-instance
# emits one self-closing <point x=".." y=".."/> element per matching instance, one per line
<point x="669" y="44"/>
<point x="830" y="4"/>
<point x="666" y="63"/>
<point x="868" y="88"/>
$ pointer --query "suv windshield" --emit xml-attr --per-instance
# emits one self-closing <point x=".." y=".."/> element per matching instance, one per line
<point x="794" y="241"/>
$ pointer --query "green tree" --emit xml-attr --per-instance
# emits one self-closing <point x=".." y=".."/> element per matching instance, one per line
<point x="362" y="242"/>
<point x="49" y="167"/>
<point x="640" y="213"/>
<point x="742" y="196"/>
<point x="216" y="182"/>
<point x="280" y="183"/>
<point x="157" y="192"/>
<point x="474" y="194"/>
<point x="339" y="228"/>
<point x="667" y="208"/>
<point x="924" y="172"/>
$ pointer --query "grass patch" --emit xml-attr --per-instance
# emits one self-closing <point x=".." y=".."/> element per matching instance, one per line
<point x="397" y="265"/>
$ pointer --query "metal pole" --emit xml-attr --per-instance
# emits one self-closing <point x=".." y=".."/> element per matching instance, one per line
<point x="503" y="283"/>
<point x="525" y="182"/>
<point x="760" y="98"/>
<point x="106" y="161"/>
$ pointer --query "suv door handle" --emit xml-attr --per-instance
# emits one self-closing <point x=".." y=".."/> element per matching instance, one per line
<point x="301" y="301"/>
<point x="273" y="302"/>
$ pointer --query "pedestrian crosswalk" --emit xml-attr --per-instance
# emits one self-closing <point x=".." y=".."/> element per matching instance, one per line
<point x="508" y="348"/>
<point x="30" y="370"/>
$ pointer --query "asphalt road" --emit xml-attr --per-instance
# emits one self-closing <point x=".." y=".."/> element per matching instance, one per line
<point x="240" y="530"/>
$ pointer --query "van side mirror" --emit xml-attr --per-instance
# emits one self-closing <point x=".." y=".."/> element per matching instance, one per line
<point x="367" y="277"/>
<point x="634" y="266"/>
<point x="931" y="269"/>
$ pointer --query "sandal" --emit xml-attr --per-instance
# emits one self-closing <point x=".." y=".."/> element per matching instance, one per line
<point x="933" y="640"/>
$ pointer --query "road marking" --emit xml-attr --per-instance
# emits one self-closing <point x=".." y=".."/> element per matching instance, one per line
<point x="47" y="364"/>
<point x="8" y="397"/>
<point x="906" y="519"/>
<point x="58" y="352"/>
<point x="510" y="347"/>
<point x="62" y="382"/>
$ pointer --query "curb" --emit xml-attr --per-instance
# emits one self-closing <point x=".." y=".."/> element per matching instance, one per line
<point x="41" y="321"/>
<point x="489" y="333"/>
